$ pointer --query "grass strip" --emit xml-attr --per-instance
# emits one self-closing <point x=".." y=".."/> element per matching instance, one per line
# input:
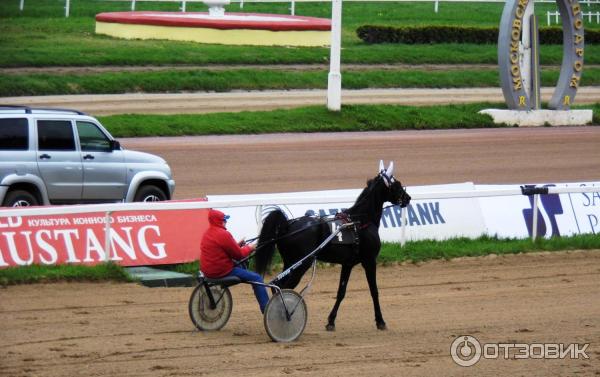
<point x="45" y="274"/>
<point x="415" y="251"/>
<point x="419" y="251"/>
<point x="228" y="80"/>
<point x="309" y="119"/>
<point x="305" y="119"/>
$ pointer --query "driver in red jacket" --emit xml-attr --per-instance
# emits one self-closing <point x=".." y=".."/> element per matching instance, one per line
<point x="218" y="251"/>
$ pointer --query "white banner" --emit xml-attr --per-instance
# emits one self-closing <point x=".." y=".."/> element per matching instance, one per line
<point x="426" y="219"/>
<point x="558" y="215"/>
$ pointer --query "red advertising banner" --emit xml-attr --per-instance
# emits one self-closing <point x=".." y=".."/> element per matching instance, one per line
<point x="136" y="238"/>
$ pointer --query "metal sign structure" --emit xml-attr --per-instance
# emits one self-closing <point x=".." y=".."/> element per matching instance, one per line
<point x="518" y="55"/>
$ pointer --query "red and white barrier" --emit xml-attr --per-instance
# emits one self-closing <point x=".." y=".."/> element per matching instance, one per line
<point x="138" y="234"/>
<point x="134" y="237"/>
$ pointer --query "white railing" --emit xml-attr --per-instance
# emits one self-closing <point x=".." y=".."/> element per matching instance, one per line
<point x="590" y="16"/>
<point x="293" y="3"/>
<point x="109" y="209"/>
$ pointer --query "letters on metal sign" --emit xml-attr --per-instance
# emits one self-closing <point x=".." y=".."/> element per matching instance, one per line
<point x="521" y="93"/>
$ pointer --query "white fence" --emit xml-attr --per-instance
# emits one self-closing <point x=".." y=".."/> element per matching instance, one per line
<point x="183" y="6"/>
<point x="591" y="16"/>
<point x="110" y="209"/>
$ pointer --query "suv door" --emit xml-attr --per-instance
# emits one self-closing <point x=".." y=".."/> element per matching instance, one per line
<point x="58" y="160"/>
<point x="104" y="170"/>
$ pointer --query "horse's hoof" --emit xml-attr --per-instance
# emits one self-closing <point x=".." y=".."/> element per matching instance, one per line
<point x="381" y="326"/>
<point x="330" y="327"/>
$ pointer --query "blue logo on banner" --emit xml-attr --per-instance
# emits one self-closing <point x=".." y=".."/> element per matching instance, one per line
<point x="548" y="208"/>
<point x="420" y="214"/>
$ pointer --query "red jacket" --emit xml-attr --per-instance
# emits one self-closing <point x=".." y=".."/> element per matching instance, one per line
<point x="218" y="249"/>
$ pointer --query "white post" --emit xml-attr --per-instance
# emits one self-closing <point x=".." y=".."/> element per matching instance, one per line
<point x="132" y="5"/>
<point x="107" y="236"/>
<point x="22" y="5"/>
<point x="259" y="208"/>
<point x="293" y="7"/>
<point x="334" y="81"/>
<point x="67" y="6"/>
<point x="404" y="219"/>
<point x="525" y="49"/>
<point x="548" y="15"/>
<point x="183" y="6"/>
<point x="535" y="217"/>
<point x="241" y="4"/>
<point x="436" y="6"/>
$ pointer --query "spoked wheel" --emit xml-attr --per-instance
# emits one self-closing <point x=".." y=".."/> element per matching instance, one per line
<point x="279" y="328"/>
<point x="203" y="316"/>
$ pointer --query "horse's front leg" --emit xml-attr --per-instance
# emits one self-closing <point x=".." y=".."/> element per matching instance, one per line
<point x="370" y="267"/>
<point x="344" y="277"/>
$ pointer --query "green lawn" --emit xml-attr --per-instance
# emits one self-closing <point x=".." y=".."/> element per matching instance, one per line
<point x="308" y="119"/>
<point x="243" y="79"/>
<point x="41" y="36"/>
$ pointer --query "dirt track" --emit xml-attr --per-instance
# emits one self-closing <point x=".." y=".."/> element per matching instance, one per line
<point x="180" y="103"/>
<point x="129" y="330"/>
<point x="298" y="162"/>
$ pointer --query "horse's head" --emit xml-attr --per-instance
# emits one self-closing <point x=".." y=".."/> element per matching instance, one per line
<point x="396" y="194"/>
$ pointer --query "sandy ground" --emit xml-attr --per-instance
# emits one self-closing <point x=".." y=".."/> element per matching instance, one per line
<point x="130" y="330"/>
<point x="180" y="103"/>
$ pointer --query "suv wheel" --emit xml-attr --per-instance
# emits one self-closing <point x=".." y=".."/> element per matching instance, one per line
<point x="20" y="198"/>
<point x="149" y="193"/>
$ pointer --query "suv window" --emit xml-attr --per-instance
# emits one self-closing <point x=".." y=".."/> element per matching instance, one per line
<point x="91" y="138"/>
<point x="55" y="135"/>
<point x="14" y="134"/>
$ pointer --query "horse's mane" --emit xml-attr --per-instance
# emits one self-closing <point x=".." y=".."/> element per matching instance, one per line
<point x="363" y="206"/>
<point x="363" y="194"/>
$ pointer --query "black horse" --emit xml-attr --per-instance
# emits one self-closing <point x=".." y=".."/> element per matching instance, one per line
<point x="298" y="237"/>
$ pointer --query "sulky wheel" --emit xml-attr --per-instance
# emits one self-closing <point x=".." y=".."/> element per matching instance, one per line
<point x="279" y="328"/>
<point x="201" y="313"/>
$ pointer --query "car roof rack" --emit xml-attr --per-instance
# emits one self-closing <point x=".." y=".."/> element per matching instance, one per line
<point x="29" y="110"/>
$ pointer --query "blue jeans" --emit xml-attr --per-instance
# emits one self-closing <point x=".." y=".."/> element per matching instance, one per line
<point x="259" y="291"/>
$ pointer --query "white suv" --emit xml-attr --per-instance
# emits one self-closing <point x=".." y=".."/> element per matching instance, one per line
<point x="56" y="156"/>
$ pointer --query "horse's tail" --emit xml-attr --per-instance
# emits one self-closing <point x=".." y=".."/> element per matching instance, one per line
<point x="274" y="225"/>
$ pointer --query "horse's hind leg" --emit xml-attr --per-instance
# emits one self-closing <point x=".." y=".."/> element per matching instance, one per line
<point x="371" y="273"/>
<point x="344" y="277"/>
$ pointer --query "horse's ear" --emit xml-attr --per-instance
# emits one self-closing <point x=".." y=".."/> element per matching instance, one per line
<point x="390" y="170"/>
<point x="381" y="166"/>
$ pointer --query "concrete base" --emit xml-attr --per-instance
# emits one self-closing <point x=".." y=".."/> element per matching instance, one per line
<point x="540" y="117"/>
